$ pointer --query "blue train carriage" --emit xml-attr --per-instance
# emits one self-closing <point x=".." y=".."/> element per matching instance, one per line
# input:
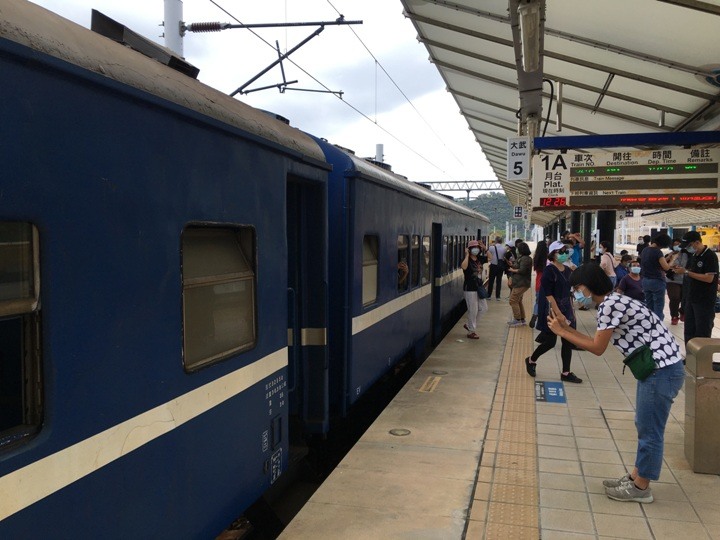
<point x="144" y="275"/>
<point x="380" y="223"/>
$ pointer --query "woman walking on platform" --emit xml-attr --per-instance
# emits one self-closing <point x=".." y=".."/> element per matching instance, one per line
<point x="539" y="263"/>
<point x="634" y="329"/>
<point x="520" y="273"/>
<point x="555" y="296"/>
<point x="472" y="266"/>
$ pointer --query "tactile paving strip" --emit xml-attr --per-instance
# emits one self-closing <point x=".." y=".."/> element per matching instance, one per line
<point x="513" y="491"/>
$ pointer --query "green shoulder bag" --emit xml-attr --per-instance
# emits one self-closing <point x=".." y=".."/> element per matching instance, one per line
<point x="640" y="362"/>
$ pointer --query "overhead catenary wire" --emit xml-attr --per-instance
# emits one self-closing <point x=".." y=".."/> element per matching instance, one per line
<point x="358" y="111"/>
<point x="378" y="63"/>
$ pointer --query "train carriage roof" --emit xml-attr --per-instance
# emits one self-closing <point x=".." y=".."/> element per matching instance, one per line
<point x="360" y="167"/>
<point x="44" y="31"/>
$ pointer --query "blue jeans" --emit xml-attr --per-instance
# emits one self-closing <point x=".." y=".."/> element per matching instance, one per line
<point x="654" y="397"/>
<point x="654" y="290"/>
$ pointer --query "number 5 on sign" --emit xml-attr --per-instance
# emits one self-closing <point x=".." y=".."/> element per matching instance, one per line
<point x="518" y="158"/>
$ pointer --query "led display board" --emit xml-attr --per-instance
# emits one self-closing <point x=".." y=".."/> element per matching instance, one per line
<point x="643" y="179"/>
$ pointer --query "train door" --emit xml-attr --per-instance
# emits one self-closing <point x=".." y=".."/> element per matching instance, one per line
<point x="307" y="307"/>
<point x="436" y="257"/>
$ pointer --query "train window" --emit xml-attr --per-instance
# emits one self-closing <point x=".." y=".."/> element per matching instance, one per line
<point x="403" y="250"/>
<point x="453" y="252"/>
<point x="370" y="270"/>
<point x="444" y="262"/>
<point x="426" y="260"/>
<point x="20" y="370"/>
<point x="415" y="260"/>
<point x="456" y="260"/>
<point x="218" y="273"/>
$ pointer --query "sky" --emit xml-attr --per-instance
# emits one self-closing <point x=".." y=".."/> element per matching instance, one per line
<point x="424" y="136"/>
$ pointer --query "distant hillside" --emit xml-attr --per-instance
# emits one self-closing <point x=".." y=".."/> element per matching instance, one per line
<point x="496" y="207"/>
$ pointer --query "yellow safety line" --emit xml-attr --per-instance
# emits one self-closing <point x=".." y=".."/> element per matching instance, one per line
<point x="506" y="499"/>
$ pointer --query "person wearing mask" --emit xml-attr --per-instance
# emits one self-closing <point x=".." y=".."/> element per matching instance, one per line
<point x="571" y="251"/>
<point x="623" y="269"/>
<point x="496" y="256"/>
<point x="554" y="297"/>
<point x="654" y="266"/>
<point x="643" y="242"/>
<point x="677" y="258"/>
<point x="577" y="244"/>
<point x="472" y="267"/>
<point x="702" y="276"/>
<point x="539" y="262"/>
<point x="510" y="254"/>
<point x="629" y="324"/>
<point x="520" y="273"/>
<point x="631" y="285"/>
<point x="607" y="261"/>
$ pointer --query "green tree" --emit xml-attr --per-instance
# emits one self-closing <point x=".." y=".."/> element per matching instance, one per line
<point x="496" y="207"/>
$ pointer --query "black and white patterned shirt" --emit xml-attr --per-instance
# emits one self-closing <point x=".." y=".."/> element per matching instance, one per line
<point x="633" y="325"/>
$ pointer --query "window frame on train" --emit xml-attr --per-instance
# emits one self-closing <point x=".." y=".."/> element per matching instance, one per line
<point x="403" y="255"/>
<point x="20" y="333"/>
<point x="427" y="259"/>
<point x="444" y="260"/>
<point x="221" y="258"/>
<point x="370" y="254"/>
<point x="415" y="260"/>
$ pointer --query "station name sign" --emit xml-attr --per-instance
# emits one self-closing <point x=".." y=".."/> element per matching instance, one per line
<point x="643" y="179"/>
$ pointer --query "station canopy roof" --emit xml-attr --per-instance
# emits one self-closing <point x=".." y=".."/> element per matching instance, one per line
<point x="640" y="66"/>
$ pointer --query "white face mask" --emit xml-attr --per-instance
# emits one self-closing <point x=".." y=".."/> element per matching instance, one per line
<point x="635" y="269"/>
<point x="475" y="251"/>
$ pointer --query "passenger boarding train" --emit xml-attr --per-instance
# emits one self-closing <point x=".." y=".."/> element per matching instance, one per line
<point x="182" y="279"/>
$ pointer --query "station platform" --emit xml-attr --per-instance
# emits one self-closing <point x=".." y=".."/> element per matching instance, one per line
<point x="466" y="451"/>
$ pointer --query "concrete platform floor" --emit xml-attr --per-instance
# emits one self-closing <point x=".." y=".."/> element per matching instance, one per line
<point x="483" y="459"/>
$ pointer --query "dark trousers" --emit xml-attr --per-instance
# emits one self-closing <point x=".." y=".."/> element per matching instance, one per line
<point x="674" y="292"/>
<point x="495" y="275"/>
<point x="699" y="319"/>
<point x="549" y="341"/>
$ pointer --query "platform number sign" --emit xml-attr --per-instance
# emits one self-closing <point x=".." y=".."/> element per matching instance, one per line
<point x="518" y="158"/>
<point x="518" y="212"/>
<point x="551" y="181"/>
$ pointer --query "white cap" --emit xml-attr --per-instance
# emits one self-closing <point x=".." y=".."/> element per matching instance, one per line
<point x="556" y="246"/>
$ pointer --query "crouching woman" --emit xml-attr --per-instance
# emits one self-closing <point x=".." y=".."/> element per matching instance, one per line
<point x="630" y="325"/>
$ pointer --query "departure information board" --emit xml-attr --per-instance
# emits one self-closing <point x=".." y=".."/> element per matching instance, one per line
<point x="645" y="179"/>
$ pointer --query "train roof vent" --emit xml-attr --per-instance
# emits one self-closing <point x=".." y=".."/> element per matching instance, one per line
<point x="105" y="26"/>
<point x="380" y="164"/>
